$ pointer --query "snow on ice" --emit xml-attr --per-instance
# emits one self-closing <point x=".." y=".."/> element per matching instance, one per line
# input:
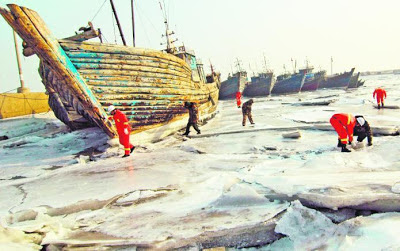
<point x="231" y="186"/>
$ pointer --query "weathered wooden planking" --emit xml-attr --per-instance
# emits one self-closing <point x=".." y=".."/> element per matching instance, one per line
<point x="120" y="69"/>
<point x="141" y="83"/>
<point x="30" y="28"/>
<point x="144" y="90"/>
<point x="82" y="57"/>
<point x="120" y="74"/>
<point x="108" y="63"/>
<point x="194" y="98"/>
<point x="118" y="49"/>
<point x="89" y="55"/>
<point x="151" y="85"/>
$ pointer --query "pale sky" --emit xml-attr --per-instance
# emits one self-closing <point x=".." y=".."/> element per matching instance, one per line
<point x="357" y="33"/>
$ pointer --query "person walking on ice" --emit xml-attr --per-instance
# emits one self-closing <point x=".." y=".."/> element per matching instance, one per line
<point x="123" y="129"/>
<point x="193" y="117"/>
<point x="246" y="110"/>
<point x="238" y="99"/>
<point x="380" y="96"/>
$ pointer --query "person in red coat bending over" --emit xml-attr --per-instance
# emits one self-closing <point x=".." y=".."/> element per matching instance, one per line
<point x="238" y="99"/>
<point x="380" y="95"/>
<point x="344" y="125"/>
<point x="123" y="129"/>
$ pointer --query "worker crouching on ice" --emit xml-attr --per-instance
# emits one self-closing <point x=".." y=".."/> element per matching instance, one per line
<point x="246" y="110"/>
<point x="193" y="117"/>
<point x="123" y="129"/>
<point x="362" y="130"/>
<point x="346" y="125"/>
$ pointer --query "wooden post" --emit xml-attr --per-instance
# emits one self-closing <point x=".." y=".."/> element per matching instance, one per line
<point x="119" y="25"/>
<point x="133" y="23"/>
<point x="21" y="89"/>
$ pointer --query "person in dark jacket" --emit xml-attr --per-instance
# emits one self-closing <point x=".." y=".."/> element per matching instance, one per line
<point x="246" y="110"/>
<point x="193" y="117"/>
<point x="362" y="130"/>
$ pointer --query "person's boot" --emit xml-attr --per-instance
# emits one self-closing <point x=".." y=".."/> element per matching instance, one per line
<point x="199" y="132"/>
<point x="339" y="143"/>
<point x="379" y="106"/>
<point x="186" y="134"/>
<point x="383" y="105"/>
<point x="344" y="149"/>
<point x="125" y="155"/>
<point x="132" y="148"/>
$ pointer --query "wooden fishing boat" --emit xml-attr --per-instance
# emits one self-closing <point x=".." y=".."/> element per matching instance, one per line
<point x="84" y="78"/>
<point x="312" y="81"/>
<point x="233" y="84"/>
<point x="288" y="83"/>
<point x="260" y="85"/>
<point x="337" y="81"/>
<point x="354" y="81"/>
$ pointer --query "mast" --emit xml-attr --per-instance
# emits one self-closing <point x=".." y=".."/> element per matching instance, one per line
<point x="238" y="65"/>
<point x="119" y="25"/>
<point x="265" y="64"/>
<point x="170" y="43"/>
<point x="331" y="65"/>
<point x="133" y="24"/>
<point x="22" y="89"/>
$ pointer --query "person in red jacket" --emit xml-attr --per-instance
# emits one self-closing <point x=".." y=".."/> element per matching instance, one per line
<point x="123" y="129"/>
<point x="238" y="99"/>
<point x="380" y="95"/>
<point x="344" y="125"/>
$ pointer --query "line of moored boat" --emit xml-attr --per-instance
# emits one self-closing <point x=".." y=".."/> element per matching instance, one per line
<point x="305" y="79"/>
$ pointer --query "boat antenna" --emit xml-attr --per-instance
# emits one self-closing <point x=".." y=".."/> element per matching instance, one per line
<point x="265" y="63"/>
<point x="119" y="25"/>
<point x="331" y="65"/>
<point x="251" y="69"/>
<point x="238" y="65"/>
<point x="293" y="67"/>
<point x="212" y="68"/>
<point x="133" y="23"/>
<point x="170" y="43"/>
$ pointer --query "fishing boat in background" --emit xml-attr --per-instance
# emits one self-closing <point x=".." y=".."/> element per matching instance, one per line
<point x="288" y="83"/>
<point x="337" y="81"/>
<point x="260" y="85"/>
<point x="235" y="83"/>
<point x="354" y="81"/>
<point x="312" y="80"/>
<point x="84" y="78"/>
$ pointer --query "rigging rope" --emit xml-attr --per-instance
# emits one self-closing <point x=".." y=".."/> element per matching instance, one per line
<point x="98" y="10"/>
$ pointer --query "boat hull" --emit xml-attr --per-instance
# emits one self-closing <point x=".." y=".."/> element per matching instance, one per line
<point x="313" y="84"/>
<point x="231" y="86"/>
<point x="354" y="81"/>
<point x="339" y="81"/>
<point x="83" y="79"/>
<point x="292" y="84"/>
<point x="259" y="86"/>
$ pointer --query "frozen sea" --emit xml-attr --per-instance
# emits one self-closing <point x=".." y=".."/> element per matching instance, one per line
<point x="232" y="186"/>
